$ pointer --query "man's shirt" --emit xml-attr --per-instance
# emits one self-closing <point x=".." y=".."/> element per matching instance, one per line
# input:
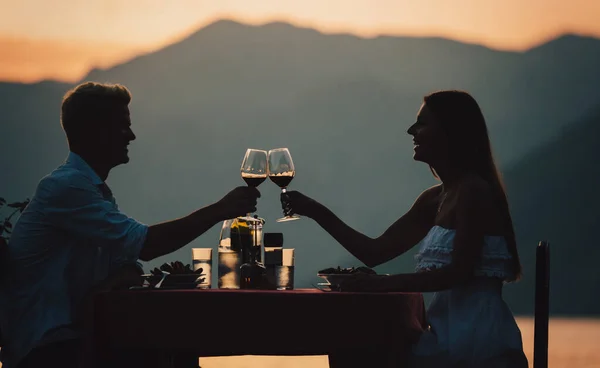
<point x="68" y="239"/>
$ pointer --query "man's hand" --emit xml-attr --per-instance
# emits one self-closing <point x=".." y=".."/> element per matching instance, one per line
<point x="238" y="202"/>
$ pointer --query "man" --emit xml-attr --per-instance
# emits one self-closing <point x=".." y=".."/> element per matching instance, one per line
<point x="72" y="235"/>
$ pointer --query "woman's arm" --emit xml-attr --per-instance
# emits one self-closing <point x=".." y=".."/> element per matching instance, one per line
<point x="397" y="239"/>
<point x="474" y="198"/>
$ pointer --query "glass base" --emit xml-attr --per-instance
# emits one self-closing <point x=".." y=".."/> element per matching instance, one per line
<point x="288" y="218"/>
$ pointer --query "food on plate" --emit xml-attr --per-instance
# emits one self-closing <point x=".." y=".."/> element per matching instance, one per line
<point x="175" y="268"/>
<point x="178" y="275"/>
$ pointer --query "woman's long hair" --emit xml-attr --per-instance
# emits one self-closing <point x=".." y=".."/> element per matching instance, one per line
<point x="470" y="150"/>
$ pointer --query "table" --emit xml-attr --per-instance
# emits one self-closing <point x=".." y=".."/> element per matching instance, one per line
<point x="221" y="322"/>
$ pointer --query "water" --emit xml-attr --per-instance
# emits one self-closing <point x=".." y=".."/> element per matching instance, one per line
<point x="284" y="276"/>
<point x="206" y="270"/>
<point x="229" y="269"/>
<point x="573" y="344"/>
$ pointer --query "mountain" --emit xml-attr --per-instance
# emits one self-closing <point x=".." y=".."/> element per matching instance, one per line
<point x="341" y="103"/>
<point x="31" y="136"/>
<point x="554" y="197"/>
<point x="290" y="64"/>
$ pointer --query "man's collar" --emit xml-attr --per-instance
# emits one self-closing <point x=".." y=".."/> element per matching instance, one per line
<point x="77" y="162"/>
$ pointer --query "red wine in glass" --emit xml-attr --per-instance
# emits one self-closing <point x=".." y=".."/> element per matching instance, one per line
<point x="253" y="181"/>
<point x="254" y="171"/>
<point x="282" y="181"/>
<point x="281" y="172"/>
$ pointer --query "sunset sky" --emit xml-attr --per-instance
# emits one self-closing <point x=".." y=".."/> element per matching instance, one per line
<point x="63" y="39"/>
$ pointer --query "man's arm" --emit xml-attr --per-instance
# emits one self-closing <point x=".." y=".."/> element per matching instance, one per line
<point x="167" y="237"/>
<point x="78" y="207"/>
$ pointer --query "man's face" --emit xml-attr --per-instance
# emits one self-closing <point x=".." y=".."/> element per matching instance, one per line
<point x="115" y="136"/>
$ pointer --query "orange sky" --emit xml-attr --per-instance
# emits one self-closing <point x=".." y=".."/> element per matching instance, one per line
<point x="104" y="32"/>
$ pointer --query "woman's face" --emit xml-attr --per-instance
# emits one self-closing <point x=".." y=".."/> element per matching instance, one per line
<point x="430" y="142"/>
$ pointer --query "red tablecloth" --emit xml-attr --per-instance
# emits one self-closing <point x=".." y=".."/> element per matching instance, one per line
<point x="252" y="322"/>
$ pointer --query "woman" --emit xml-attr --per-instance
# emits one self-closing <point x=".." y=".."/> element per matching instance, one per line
<point x="467" y="243"/>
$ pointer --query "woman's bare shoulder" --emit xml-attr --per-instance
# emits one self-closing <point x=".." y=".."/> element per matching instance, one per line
<point x="426" y="204"/>
<point x="431" y="192"/>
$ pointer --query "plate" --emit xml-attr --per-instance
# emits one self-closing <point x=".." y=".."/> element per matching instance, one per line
<point x="334" y="279"/>
<point x="323" y="286"/>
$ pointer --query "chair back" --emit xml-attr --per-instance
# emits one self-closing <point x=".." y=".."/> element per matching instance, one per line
<point x="542" y="305"/>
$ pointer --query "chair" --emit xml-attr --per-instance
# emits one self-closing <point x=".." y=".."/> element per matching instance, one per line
<point x="542" y="305"/>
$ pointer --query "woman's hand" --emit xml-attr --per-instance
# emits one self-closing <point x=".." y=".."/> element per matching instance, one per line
<point x="364" y="282"/>
<point x="294" y="202"/>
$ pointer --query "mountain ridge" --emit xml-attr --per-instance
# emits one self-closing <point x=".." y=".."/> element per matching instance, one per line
<point x="567" y="38"/>
<point x="340" y="104"/>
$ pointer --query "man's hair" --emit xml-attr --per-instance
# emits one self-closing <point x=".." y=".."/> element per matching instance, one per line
<point x="90" y="102"/>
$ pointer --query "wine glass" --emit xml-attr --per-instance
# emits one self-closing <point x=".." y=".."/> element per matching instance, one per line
<point x="254" y="171"/>
<point x="281" y="172"/>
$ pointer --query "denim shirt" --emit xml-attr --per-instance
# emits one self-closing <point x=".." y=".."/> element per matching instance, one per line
<point x="68" y="239"/>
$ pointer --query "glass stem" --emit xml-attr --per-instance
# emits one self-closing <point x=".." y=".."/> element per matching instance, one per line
<point x="284" y="190"/>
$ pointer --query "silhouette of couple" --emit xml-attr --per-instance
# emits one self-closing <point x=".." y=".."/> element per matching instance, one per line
<point x="72" y="239"/>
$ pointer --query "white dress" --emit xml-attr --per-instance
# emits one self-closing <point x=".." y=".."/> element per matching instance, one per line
<point x="470" y="325"/>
